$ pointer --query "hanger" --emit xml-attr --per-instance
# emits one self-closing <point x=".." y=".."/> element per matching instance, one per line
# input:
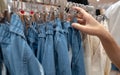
<point x="22" y="12"/>
<point x="43" y="14"/>
<point x="48" y="15"/>
<point x="51" y="16"/>
<point x="37" y="15"/>
<point x="32" y="12"/>
<point x="29" y="18"/>
<point x="63" y="14"/>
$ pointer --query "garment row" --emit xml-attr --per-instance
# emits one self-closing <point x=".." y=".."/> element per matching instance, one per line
<point x="96" y="59"/>
<point x="41" y="49"/>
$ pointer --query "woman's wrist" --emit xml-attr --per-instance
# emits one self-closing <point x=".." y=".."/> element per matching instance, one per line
<point x="102" y="32"/>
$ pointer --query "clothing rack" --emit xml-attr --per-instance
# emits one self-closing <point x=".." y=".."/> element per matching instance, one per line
<point x="31" y="6"/>
<point x="44" y="3"/>
<point x="35" y="6"/>
<point x="90" y="9"/>
<point x="41" y="3"/>
<point x="86" y="7"/>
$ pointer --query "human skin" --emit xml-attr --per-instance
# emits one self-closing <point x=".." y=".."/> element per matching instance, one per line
<point x="87" y="24"/>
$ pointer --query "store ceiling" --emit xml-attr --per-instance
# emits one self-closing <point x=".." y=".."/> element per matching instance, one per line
<point x="101" y="3"/>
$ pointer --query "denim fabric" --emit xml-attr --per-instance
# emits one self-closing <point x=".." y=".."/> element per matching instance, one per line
<point x="77" y="63"/>
<point x="61" y="51"/>
<point x="41" y="42"/>
<point x="66" y="26"/>
<point x="18" y="56"/>
<point x="48" y="61"/>
<point x="4" y="40"/>
<point x="114" y="68"/>
<point x="32" y="37"/>
<point x="1" y="61"/>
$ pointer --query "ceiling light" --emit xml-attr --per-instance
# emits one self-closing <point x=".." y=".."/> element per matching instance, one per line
<point x="97" y="0"/>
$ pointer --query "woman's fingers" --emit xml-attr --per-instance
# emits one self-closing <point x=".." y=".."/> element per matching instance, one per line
<point x="78" y="26"/>
<point x="81" y="21"/>
<point x="80" y="10"/>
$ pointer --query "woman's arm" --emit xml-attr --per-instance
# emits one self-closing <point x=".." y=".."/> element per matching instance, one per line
<point x="87" y="24"/>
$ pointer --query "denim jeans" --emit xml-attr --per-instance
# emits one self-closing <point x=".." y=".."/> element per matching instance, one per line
<point x="66" y="26"/>
<point x="17" y="54"/>
<point x="47" y="49"/>
<point x="41" y="41"/>
<point x="4" y="35"/>
<point x="61" y="51"/>
<point x="32" y="37"/>
<point x="1" y="61"/>
<point x="78" y="67"/>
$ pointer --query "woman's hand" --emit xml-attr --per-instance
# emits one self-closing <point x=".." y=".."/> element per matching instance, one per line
<point x="86" y="23"/>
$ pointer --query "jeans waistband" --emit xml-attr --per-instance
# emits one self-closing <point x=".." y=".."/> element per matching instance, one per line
<point x="41" y="30"/>
<point x="49" y="28"/>
<point x="66" y="25"/>
<point x="58" y="26"/>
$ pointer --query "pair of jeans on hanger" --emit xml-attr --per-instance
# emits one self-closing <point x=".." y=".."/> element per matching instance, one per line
<point x="61" y="51"/>
<point x="77" y="64"/>
<point x="47" y="47"/>
<point x="63" y="36"/>
<point x="32" y="37"/>
<point x="45" y="53"/>
<point x="74" y="43"/>
<point x="17" y="54"/>
<point x="40" y="36"/>
<point x="4" y="35"/>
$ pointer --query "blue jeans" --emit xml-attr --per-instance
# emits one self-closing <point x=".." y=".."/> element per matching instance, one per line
<point x="66" y="26"/>
<point x="1" y="61"/>
<point x="32" y="37"/>
<point x="41" y="41"/>
<point x="78" y="67"/>
<point x="4" y="35"/>
<point x="61" y="51"/>
<point x="48" y="59"/>
<point x="46" y="48"/>
<point x="17" y="54"/>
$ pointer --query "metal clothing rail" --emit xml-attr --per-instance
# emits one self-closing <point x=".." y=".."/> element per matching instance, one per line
<point x="42" y="3"/>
